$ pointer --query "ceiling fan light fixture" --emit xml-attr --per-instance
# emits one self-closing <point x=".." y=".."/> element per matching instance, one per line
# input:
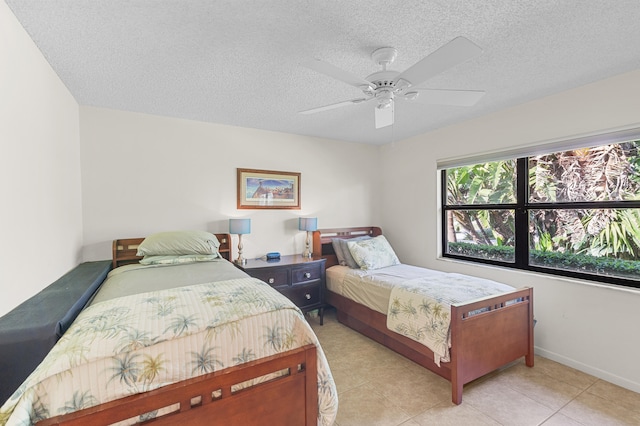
<point x="384" y="97"/>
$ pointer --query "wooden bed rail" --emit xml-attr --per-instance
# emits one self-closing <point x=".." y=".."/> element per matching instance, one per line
<point x="490" y="303"/>
<point x="290" y="399"/>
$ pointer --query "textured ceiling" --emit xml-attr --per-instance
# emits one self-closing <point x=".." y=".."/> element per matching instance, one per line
<point x="238" y="62"/>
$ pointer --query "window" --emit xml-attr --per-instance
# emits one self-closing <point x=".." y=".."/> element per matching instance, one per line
<point x="573" y="213"/>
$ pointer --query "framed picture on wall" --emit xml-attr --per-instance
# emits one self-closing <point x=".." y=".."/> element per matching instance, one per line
<point x="267" y="189"/>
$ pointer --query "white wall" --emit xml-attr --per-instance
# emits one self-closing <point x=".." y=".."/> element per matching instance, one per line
<point x="144" y="173"/>
<point x="585" y="325"/>
<point x="40" y="217"/>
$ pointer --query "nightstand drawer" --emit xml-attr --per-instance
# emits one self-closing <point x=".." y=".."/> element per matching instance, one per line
<point x="305" y="274"/>
<point x="272" y="276"/>
<point x="304" y="296"/>
<point x="301" y="279"/>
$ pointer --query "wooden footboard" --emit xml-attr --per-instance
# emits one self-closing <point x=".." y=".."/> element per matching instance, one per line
<point x="290" y="399"/>
<point x="480" y="343"/>
<point x="488" y="340"/>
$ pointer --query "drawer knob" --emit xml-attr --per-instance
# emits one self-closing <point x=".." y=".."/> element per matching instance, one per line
<point x="307" y="296"/>
<point x="271" y="280"/>
<point x="307" y="274"/>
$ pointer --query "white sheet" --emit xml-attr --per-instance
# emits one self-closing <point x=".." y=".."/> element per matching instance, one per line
<point x="373" y="288"/>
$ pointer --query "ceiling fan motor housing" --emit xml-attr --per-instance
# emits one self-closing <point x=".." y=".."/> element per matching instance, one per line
<point x="386" y="78"/>
<point x="385" y="87"/>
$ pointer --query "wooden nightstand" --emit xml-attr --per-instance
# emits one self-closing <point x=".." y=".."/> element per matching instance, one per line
<point x="301" y="279"/>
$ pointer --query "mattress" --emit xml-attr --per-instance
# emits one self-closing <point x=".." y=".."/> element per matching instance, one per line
<point x="372" y="288"/>
<point x="122" y="345"/>
<point x="136" y="278"/>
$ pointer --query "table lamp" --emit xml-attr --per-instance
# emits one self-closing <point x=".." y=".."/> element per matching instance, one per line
<point x="240" y="227"/>
<point x="308" y="224"/>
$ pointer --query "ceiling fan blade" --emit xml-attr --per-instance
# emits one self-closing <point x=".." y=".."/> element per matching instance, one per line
<point x="455" y="52"/>
<point x="449" y="97"/>
<point x="337" y="73"/>
<point x="384" y="116"/>
<point x="332" y="106"/>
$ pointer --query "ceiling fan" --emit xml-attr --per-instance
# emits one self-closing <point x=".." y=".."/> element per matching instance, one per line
<point x="385" y="86"/>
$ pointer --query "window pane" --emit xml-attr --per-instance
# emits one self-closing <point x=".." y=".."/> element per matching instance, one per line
<point x="489" y="183"/>
<point x="594" y="241"/>
<point x="485" y="234"/>
<point x="604" y="173"/>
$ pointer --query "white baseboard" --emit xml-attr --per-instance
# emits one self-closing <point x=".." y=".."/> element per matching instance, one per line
<point x="601" y="374"/>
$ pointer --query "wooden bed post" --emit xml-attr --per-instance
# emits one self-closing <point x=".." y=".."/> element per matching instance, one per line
<point x="317" y="245"/>
<point x="311" y="382"/>
<point x="457" y="383"/>
<point x="528" y="359"/>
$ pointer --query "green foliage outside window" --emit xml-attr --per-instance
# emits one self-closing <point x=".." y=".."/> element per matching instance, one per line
<point x="568" y="261"/>
<point x="588" y="219"/>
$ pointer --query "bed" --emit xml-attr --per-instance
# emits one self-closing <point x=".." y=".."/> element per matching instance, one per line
<point x="180" y="339"/>
<point x="484" y="334"/>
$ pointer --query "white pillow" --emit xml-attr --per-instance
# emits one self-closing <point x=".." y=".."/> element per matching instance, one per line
<point x="374" y="253"/>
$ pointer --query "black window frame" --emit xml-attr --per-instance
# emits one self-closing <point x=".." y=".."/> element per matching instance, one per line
<point x="522" y="207"/>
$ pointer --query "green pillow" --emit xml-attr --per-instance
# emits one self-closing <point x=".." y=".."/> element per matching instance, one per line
<point x="174" y="260"/>
<point x="178" y="243"/>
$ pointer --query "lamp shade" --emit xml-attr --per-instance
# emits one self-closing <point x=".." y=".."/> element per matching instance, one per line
<point x="308" y="224"/>
<point x="240" y="226"/>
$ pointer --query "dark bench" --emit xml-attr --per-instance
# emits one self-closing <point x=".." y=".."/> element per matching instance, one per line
<point x="28" y="332"/>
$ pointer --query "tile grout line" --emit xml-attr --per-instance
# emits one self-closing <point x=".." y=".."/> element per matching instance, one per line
<point x="567" y="403"/>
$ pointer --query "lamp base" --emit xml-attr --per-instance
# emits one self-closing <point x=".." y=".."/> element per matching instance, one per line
<point x="307" y="250"/>
<point x="240" y="260"/>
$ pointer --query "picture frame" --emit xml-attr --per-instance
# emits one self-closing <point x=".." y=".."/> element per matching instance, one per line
<point x="268" y="189"/>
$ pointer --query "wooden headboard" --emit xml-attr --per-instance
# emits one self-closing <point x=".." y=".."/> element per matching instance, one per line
<point x="125" y="249"/>
<point x="322" y="245"/>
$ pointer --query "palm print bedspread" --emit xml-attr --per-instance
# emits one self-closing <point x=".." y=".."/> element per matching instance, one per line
<point x="138" y="343"/>
<point x="420" y="309"/>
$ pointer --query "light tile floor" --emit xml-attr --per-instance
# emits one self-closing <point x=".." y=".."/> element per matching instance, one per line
<point x="377" y="387"/>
